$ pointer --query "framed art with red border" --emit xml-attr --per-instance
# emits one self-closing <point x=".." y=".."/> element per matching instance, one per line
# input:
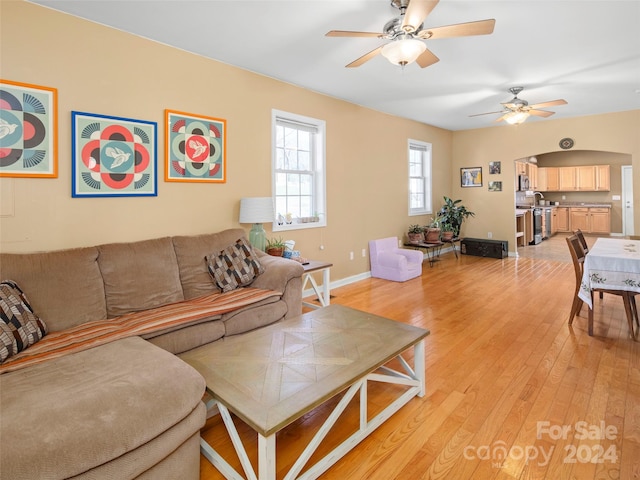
<point x="28" y="130"/>
<point x="195" y="148"/>
<point x="113" y="156"/>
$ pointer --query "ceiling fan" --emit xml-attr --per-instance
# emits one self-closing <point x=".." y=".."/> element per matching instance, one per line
<point x="516" y="110"/>
<point x="407" y="31"/>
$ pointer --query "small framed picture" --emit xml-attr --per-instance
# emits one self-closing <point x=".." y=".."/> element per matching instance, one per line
<point x="495" y="186"/>
<point x="494" y="168"/>
<point x="471" y="177"/>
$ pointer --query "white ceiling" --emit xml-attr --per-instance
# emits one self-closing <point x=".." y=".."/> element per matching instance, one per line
<point x="584" y="51"/>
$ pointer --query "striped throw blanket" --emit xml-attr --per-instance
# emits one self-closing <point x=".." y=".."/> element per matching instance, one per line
<point x="92" y="334"/>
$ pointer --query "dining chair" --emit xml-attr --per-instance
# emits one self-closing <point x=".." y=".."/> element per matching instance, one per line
<point x="583" y="241"/>
<point x="578" y="257"/>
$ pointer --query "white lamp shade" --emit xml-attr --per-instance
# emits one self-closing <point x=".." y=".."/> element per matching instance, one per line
<point x="403" y="52"/>
<point x="515" y="118"/>
<point x="256" y="210"/>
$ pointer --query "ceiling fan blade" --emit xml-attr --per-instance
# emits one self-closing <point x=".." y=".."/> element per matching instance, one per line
<point x="487" y="113"/>
<point x="416" y="12"/>
<point x="365" y="58"/>
<point x="503" y="117"/>
<point x="347" y="33"/>
<point x="540" y="113"/>
<point x="552" y="103"/>
<point x="481" y="27"/>
<point x="427" y="58"/>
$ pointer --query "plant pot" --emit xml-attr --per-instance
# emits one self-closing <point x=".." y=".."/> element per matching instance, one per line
<point x="415" y="238"/>
<point x="432" y="235"/>
<point x="447" y="236"/>
<point x="275" y="252"/>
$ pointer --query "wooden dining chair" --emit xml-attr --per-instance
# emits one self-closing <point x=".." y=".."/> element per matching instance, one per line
<point x="578" y="257"/>
<point x="583" y="241"/>
<point x="585" y="248"/>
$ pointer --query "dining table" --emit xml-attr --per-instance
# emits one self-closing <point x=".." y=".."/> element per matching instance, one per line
<point x="612" y="264"/>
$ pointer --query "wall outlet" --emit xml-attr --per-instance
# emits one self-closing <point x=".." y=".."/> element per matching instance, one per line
<point x="489" y="234"/>
<point x="615" y="197"/>
<point x="350" y="255"/>
<point x="364" y="252"/>
<point x="564" y="197"/>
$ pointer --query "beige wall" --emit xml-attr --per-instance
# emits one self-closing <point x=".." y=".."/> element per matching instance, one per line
<point x="104" y="71"/>
<point x="614" y="132"/>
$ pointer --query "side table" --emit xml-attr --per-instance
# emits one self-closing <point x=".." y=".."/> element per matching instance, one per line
<point x="323" y="293"/>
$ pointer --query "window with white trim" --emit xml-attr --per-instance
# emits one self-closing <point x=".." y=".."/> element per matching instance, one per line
<point x="298" y="166"/>
<point x="419" y="177"/>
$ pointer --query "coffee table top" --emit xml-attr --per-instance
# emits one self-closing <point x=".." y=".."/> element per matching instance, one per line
<point x="271" y="376"/>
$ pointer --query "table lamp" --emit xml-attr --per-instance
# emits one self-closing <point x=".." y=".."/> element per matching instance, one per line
<point x="257" y="210"/>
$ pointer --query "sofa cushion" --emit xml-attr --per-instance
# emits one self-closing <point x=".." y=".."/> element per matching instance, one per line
<point x="19" y="326"/>
<point x="72" y="414"/>
<point x="139" y="275"/>
<point x="190" y="252"/>
<point x="234" y="266"/>
<point x="63" y="286"/>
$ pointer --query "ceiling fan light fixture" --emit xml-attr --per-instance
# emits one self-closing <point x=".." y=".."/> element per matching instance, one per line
<point x="516" y="118"/>
<point x="404" y="51"/>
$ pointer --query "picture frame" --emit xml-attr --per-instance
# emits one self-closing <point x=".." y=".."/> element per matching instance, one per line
<point x="495" y="168"/>
<point x="471" y="177"/>
<point x="195" y="148"/>
<point x="28" y="130"/>
<point x="113" y="156"/>
<point x="495" y="186"/>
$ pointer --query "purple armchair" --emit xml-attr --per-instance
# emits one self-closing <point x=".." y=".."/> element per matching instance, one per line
<point x="393" y="263"/>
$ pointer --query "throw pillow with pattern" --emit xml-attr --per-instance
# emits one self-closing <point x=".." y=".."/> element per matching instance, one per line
<point x="19" y="326"/>
<point x="235" y="266"/>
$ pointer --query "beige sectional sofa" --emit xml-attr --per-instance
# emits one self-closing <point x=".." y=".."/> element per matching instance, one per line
<point x="127" y="408"/>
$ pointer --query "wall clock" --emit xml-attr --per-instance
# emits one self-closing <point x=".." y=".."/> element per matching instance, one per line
<point x="566" y="143"/>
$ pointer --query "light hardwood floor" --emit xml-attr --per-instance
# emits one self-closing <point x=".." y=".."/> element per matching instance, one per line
<point x="505" y="373"/>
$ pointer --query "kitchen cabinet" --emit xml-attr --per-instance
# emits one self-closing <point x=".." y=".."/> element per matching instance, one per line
<point x="567" y="178"/>
<point x="521" y="168"/>
<point x="603" y="178"/>
<point x="600" y="220"/>
<point x="554" y="221"/>
<point x="579" y="219"/>
<point x="548" y="180"/>
<point x="532" y="171"/>
<point x="583" y="178"/>
<point x="586" y="178"/>
<point x="562" y="219"/>
<point x="590" y="220"/>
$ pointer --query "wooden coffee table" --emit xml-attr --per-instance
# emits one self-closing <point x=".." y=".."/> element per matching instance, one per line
<point x="272" y="376"/>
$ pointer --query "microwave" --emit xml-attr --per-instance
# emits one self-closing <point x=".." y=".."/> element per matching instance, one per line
<point x="523" y="183"/>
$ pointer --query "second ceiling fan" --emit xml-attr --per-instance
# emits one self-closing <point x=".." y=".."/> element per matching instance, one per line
<point x="407" y="34"/>
<point x="517" y="110"/>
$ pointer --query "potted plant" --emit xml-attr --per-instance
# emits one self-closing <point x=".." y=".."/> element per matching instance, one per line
<point x="452" y="214"/>
<point x="275" y="247"/>
<point x="432" y="231"/>
<point x="446" y="235"/>
<point x="415" y="234"/>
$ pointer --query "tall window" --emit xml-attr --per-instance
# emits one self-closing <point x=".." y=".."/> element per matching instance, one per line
<point x="298" y="171"/>
<point x="419" y="177"/>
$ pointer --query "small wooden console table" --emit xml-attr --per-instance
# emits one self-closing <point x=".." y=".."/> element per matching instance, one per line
<point x="432" y="249"/>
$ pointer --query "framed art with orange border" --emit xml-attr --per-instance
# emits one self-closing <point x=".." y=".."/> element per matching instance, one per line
<point x="28" y="130"/>
<point x="195" y="148"/>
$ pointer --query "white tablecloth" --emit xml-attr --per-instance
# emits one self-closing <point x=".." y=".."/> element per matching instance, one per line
<point x="613" y="264"/>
